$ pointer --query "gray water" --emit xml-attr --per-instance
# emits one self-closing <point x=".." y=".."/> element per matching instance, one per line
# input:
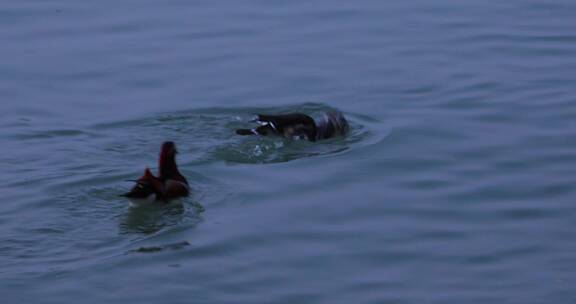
<point x="456" y="184"/>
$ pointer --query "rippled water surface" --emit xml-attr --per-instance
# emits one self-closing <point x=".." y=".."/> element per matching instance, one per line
<point x="456" y="184"/>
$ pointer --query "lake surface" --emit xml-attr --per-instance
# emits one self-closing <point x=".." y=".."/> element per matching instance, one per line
<point x="456" y="184"/>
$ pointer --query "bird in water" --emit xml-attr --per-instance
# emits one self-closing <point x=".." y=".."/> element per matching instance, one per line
<point x="170" y="184"/>
<point x="299" y="126"/>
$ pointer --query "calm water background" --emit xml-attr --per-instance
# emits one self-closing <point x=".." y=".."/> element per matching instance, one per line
<point x="455" y="186"/>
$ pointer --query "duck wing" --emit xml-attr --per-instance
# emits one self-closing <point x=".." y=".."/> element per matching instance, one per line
<point x="140" y="191"/>
<point x="145" y="186"/>
<point x="282" y="121"/>
<point x="287" y="125"/>
<point x="174" y="189"/>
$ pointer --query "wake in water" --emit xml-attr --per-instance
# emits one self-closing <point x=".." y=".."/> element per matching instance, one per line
<point x="310" y="122"/>
<point x="208" y="135"/>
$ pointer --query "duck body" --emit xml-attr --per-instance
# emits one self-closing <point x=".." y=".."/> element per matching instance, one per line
<point x="169" y="185"/>
<point x="299" y="126"/>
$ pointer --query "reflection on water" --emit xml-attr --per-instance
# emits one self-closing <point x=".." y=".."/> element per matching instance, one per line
<point x="154" y="217"/>
<point x="153" y="249"/>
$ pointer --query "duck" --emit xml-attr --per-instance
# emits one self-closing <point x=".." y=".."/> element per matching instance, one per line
<point x="169" y="185"/>
<point x="299" y="126"/>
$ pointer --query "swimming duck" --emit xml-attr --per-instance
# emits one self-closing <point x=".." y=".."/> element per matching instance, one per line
<point x="169" y="185"/>
<point x="299" y="126"/>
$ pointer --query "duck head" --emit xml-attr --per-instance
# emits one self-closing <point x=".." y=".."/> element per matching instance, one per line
<point x="167" y="168"/>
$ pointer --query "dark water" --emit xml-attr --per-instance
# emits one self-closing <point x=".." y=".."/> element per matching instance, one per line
<point x="455" y="186"/>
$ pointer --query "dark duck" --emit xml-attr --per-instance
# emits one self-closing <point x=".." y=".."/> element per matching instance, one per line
<point x="170" y="184"/>
<point x="299" y="126"/>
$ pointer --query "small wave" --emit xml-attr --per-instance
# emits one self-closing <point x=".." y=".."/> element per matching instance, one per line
<point x="154" y="249"/>
<point x="50" y="134"/>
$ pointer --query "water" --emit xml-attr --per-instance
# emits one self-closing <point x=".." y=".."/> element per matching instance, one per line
<point x="455" y="186"/>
